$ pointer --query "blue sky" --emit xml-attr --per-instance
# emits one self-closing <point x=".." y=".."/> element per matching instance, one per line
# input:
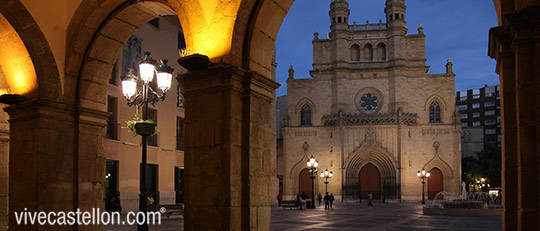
<point x="455" y="28"/>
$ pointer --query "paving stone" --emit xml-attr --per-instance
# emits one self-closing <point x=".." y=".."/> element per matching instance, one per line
<point x="354" y="216"/>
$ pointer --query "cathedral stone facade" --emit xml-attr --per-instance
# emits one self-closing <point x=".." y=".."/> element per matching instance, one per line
<point x="371" y="114"/>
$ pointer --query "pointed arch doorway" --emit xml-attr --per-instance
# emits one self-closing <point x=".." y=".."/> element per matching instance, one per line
<point x="304" y="183"/>
<point x="370" y="181"/>
<point x="435" y="183"/>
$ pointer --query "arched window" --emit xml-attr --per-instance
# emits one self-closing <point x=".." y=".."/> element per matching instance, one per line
<point x="381" y="51"/>
<point x="355" y="52"/>
<point x="368" y="52"/>
<point x="434" y="112"/>
<point x="305" y="115"/>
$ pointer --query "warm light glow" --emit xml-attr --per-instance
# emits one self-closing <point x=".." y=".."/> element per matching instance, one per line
<point x="326" y="172"/>
<point x="483" y="179"/>
<point x="210" y="25"/>
<point x="5" y="91"/>
<point x="419" y="174"/>
<point x="331" y="174"/>
<point x="427" y="174"/>
<point x="423" y="172"/>
<point x="188" y="51"/>
<point x="322" y="174"/>
<point x="17" y="68"/>
<point x="316" y="164"/>
<point x="309" y="164"/>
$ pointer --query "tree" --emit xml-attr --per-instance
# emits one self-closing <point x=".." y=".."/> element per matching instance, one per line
<point x="487" y="165"/>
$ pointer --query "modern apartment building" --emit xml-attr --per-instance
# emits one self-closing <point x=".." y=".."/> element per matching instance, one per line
<point x="480" y="107"/>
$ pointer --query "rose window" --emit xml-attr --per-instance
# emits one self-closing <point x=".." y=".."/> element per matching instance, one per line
<point x="369" y="102"/>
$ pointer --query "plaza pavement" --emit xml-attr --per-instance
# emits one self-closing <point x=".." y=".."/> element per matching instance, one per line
<point x="355" y="216"/>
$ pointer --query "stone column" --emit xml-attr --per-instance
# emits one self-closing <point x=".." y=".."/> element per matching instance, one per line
<point x="516" y="46"/>
<point x="4" y="170"/>
<point x="54" y="162"/>
<point x="228" y="143"/>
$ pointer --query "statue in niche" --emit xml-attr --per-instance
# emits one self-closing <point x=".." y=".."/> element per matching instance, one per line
<point x="131" y="54"/>
<point x="370" y="138"/>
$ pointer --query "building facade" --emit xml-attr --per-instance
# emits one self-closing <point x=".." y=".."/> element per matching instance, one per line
<point x="480" y="108"/>
<point x="370" y="113"/>
<point x="165" y="165"/>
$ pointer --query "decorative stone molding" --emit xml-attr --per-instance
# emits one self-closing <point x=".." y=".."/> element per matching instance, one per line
<point x="362" y="119"/>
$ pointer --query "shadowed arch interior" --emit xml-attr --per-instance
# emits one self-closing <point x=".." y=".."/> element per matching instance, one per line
<point x="107" y="45"/>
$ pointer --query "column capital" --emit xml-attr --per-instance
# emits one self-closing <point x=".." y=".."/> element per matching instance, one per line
<point x="239" y="79"/>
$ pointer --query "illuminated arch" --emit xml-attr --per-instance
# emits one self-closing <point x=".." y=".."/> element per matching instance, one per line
<point x="27" y="60"/>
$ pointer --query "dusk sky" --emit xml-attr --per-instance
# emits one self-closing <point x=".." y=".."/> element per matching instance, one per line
<point x="455" y="28"/>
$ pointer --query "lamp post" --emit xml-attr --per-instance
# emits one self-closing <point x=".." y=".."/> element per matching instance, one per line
<point x="423" y="175"/>
<point x="312" y="166"/>
<point x="148" y="67"/>
<point x="326" y="175"/>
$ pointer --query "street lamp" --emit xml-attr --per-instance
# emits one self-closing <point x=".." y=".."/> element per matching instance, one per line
<point x="326" y="175"/>
<point x="312" y="166"/>
<point x="423" y="175"/>
<point x="147" y="70"/>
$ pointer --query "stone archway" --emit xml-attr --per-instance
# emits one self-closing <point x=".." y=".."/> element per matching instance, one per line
<point x="255" y="28"/>
<point x="370" y="181"/>
<point x="435" y="183"/>
<point x="377" y="157"/>
<point x="28" y="68"/>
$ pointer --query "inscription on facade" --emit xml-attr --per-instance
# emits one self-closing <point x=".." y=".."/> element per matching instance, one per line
<point x="305" y="133"/>
<point x="435" y="131"/>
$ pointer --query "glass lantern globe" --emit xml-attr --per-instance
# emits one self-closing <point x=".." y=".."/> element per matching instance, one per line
<point x="147" y="68"/>
<point x="164" y="76"/>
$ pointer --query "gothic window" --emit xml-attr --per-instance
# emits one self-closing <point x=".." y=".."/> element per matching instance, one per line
<point x="381" y="51"/>
<point x="368" y="52"/>
<point x="355" y="52"/>
<point x="434" y="112"/>
<point x="305" y="115"/>
<point x="369" y="102"/>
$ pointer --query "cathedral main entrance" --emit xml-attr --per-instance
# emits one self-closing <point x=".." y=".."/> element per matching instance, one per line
<point x="370" y="181"/>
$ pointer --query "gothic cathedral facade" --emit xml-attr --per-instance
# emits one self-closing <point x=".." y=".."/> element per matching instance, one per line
<point x="371" y="114"/>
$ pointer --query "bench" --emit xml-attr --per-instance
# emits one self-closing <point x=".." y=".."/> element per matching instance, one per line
<point x="289" y="205"/>
<point x="174" y="210"/>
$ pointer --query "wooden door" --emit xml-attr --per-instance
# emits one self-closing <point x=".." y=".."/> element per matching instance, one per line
<point x="304" y="182"/>
<point x="434" y="183"/>
<point x="370" y="181"/>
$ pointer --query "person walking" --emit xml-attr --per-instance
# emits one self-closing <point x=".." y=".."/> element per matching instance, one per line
<point x="331" y="199"/>
<point x="319" y="198"/>
<point x="370" y="199"/>
<point x="299" y="201"/>
<point x="279" y="199"/>
<point x="326" y="201"/>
